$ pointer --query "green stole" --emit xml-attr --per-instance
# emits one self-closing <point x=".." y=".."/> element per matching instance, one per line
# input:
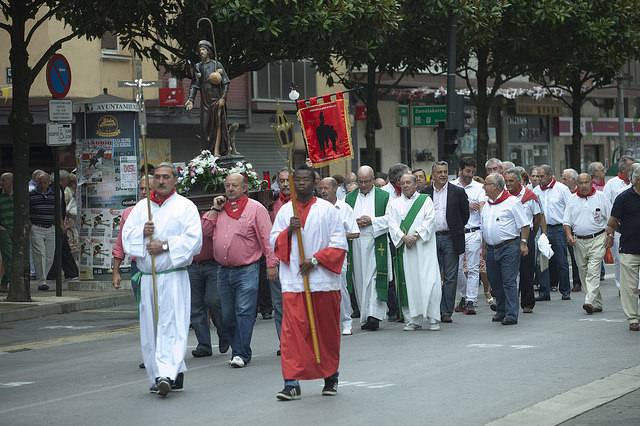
<point x="405" y="225"/>
<point x="380" y="200"/>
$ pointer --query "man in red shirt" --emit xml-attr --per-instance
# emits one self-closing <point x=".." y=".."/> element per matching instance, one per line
<point x="241" y="228"/>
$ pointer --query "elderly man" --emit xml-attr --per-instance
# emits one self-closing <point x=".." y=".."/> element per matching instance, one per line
<point x="451" y="206"/>
<point x="468" y="285"/>
<point x="585" y="219"/>
<point x="412" y="230"/>
<point x="625" y="217"/>
<point x="421" y="179"/>
<point x="369" y="261"/>
<point x="570" y="178"/>
<point x="597" y="173"/>
<point x="167" y="241"/>
<point x="328" y="191"/>
<point x="505" y="230"/>
<point x="612" y="188"/>
<point x="533" y="211"/>
<point x="241" y="228"/>
<point x="395" y="173"/>
<point x="553" y="196"/>
<point x="493" y="165"/>
<point x="6" y="226"/>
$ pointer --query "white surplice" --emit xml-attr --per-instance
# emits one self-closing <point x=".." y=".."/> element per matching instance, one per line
<point x="177" y="221"/>
<point x="351" y="227"/>
<point x="364" y="259"/>
<point x="421" y="270"/>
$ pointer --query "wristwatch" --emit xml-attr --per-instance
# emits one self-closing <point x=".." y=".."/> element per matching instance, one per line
<point x="522" y="240"/>
<point x="314" y="261"/>
<point x="165" y="246"/>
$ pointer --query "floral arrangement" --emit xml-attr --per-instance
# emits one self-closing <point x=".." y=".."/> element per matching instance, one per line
<point x="203" y="172"/>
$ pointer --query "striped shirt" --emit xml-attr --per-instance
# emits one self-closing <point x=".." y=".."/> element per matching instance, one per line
<point x="43" y="207"/>
<point x="6" y="211"/>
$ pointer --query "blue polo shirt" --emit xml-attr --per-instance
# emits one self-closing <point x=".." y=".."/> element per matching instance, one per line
<point x="626" y="208"/>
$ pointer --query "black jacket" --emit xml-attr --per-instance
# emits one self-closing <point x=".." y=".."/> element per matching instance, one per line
<point x="457" y="213"/>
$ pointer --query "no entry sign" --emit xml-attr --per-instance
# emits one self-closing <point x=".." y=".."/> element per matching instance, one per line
<point x="58" y="76"/>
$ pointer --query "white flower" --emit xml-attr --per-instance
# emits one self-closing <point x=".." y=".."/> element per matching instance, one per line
<point x="199" y="171"/>
<point x="193" y="180"/>
<point x="249" y="166"/>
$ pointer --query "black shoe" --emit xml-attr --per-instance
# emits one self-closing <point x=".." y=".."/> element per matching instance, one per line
<point x="543" y="298"/>
<point x="278" y="353"/>
<point x="566" y="297"/>
<point x="178" y="384"/>
<point x="223" y="347"/>
<point x="493" y="307"/>
<point x="372" y="324"/>
<point x="393" y="317"/>
<point x="164" y="386"/>
<point x="199" y="353"/>
<point x="355" y="314"/>
<point x="497" y="318"/>
<point x="330" y="387"/>
<point x="43" y="287"/>
<point x="267" y="316"/>
<point x="141" y="365"/>
<point x="509" y="321"/>
<point x="289" y="393"/>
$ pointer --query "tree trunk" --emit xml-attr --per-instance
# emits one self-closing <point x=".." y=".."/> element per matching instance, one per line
<point x="483" y="107"/>
<point x="20" y="121"/>
<point x="576" y="138"/>
<point x="373" y="118"/>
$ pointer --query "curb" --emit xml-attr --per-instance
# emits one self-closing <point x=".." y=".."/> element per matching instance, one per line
<point x="66" y="307"/>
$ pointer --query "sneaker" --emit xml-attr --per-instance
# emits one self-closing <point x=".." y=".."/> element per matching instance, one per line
<point x="346" y="331"/>
<point x="469" y="309"/>
<point x="153" y="389"/>
<point x="236" y="362"/>
<point x="434" y="325"/>
<point x="178" y="384"/>
<point x="289" y="393"/>
<point x="461" y="305"/>
<point x="330" y="387"/>
<point x="491" y="301"/>
<point x="164" y="386"/>
<point x="411" y="327"/>
<point x="199" y="353"/>
<point x="43" y="287"/>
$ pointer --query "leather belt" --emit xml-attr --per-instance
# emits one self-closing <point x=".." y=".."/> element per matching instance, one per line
<point x="553" y="226"/>
<point x="470" y="230"/>
<point x="588" y="237"/>
<point x="502" y="244"/>
<point x="442" y="232"/>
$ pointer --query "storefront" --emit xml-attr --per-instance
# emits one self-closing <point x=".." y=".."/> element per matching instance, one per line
<point x="528" y="140"/>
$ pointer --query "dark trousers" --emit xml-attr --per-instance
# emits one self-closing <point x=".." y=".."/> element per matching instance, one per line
<point x="448" y="261"/>
<point x="265" y="305"/>
<point x="558" y="264"/>
<point x="574" y="269"/>
<point x="392" y="300"/>
<point x="502" y="267"/>
<point x="527" y="268"/>
<point x="69" y="266"/>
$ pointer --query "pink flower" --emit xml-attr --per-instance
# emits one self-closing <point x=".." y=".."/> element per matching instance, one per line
<point x="192" y="173"/>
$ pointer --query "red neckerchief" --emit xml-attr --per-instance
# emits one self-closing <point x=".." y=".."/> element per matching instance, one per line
<point x="626" y="180"/>
<point x="397" y="188"/>
<point x="598" y="183"/>
<point x="284" y="198"/>
<point x="528" y="196"/>
<point x="551" y="184"/>
<point x="159" y="199"/>
<point x="302" y="209"/>
<point x="593" y="191"/>
<point x="501" y="198"/>
<point x="234" y="209"/>
<point x="517" y="191"/>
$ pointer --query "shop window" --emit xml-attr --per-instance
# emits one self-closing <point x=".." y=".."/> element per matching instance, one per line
<point x="274" y="80"/>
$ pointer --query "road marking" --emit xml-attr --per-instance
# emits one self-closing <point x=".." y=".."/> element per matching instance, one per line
<point x="368" y="385"/>
<point x="522" y="346"/>
<point x="68" y="327"/>
<point x="14" y="384"/>
<point x="497" y="345"/>
<point x="66" y="340"/>
<point x="600" y="320"/>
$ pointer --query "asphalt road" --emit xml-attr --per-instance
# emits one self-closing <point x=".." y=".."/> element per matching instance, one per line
<point x="82" y="368"/>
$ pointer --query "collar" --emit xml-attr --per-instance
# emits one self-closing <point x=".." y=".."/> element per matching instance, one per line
<point x="593" y="191"/>
<point x="626" y="180"/>
<point x="414" y="195"/>
<point x="551" y="184"/>
<point x="160" y="199"/>
<point x="234" y="209"/>
<point x="505" y="194"/>
<point x="519" y="191"/>
<point x="362" y="194"/>
<point x="397" y="188"/>
<point x="444" y="188"/>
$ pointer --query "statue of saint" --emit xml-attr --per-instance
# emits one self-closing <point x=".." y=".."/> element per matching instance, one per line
<point x="211" y="79"/>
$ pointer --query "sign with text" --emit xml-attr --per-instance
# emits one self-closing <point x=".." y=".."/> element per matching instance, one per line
<point x="59" y="134"/>
<point x="171" y="96"/>
<point x="428" y="115"/>
<point x="61" y="110"/>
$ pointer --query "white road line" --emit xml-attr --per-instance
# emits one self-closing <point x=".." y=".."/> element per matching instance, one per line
<point x="14" y="384"/>
<point x="576" y="401"/>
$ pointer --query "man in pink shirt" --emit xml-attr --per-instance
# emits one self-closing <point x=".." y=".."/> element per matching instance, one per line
<point x="241" y="229"/>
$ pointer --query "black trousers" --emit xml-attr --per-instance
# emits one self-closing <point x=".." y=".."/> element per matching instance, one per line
<point x="69" y="266"/>
<point x="527" y="269"/>
<point x="264" y="290"/>
<point x="574" y="268"/>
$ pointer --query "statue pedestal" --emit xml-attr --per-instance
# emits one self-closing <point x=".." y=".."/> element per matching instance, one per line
<point x="228" y="161"/>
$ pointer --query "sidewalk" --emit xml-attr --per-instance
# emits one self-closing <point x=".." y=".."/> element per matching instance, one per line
<point x="76" y="296"/>
<point x="622" y="411"/>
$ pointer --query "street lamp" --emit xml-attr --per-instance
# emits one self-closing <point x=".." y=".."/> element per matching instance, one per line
<point x="293" y="94"/>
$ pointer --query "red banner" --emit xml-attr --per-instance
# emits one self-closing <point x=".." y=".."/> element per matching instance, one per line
<point x="326" y="130"/>
<point x="171" y="97"/>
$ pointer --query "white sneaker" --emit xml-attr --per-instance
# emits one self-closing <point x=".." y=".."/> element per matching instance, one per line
<point x="236" y="362"/>
<point x="411" y="326"/>
<point x="346" y="331"/>
<point x="434" y="325"/>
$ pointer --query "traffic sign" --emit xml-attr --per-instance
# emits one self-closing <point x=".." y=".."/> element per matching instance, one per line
<point x="59" y="134"/>
<point x="58" y="76"/>
<point x="61" y="110"/>
<point x="428" y="115"/>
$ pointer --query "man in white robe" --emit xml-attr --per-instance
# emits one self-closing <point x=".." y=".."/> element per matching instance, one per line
<point x="173" y="236"/>
<point x="412" y="230"/>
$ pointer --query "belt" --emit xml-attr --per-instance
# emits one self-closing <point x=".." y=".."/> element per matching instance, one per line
<point x="502" y="244"/>
<point x="470" y="230"/>
<point x="442" y="232"/>
<point x="202" y="262"/>
<point x="42" y="226"/>
<point x="553" y="226"/>
<point x="588" y="237"/>
<point x="137" y="277"/>
<point x="236" y="267"/>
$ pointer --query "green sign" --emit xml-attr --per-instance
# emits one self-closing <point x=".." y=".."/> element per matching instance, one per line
<point x="403" y="116"/>
<point x="428" y="115"/>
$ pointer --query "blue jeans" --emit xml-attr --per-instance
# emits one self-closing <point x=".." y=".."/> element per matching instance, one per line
<point x="238" y="290"/>
<point x="448" y="261"/>
<point x="204" y="301"/>
<point x="503" y="266"/>
<point x="558" y="264"/>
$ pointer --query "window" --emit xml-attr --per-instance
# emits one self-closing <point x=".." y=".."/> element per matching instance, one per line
<point x="274" y="80"/>
<point x="109" y="42"/>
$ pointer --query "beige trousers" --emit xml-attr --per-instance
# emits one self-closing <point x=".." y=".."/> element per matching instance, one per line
<point x="589" y="255"/>
<point x="629" y="270"/>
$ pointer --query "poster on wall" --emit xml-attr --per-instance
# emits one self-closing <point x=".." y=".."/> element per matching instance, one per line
<point x="108" y="178"/>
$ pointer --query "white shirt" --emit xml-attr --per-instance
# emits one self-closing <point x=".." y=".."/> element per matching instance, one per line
<point x="613" y="187"/>
<point x="391" y="190"/>
<point x="589" y="215"/>
<point x="348" y="220"/>
<point x="440" y="207"/>
<point x="531" y="207"/>
<point x="553" y="200"/>
<point x="475" y="194"/>
<point x="503" y="221"/>
<point x="341" y="192"/>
